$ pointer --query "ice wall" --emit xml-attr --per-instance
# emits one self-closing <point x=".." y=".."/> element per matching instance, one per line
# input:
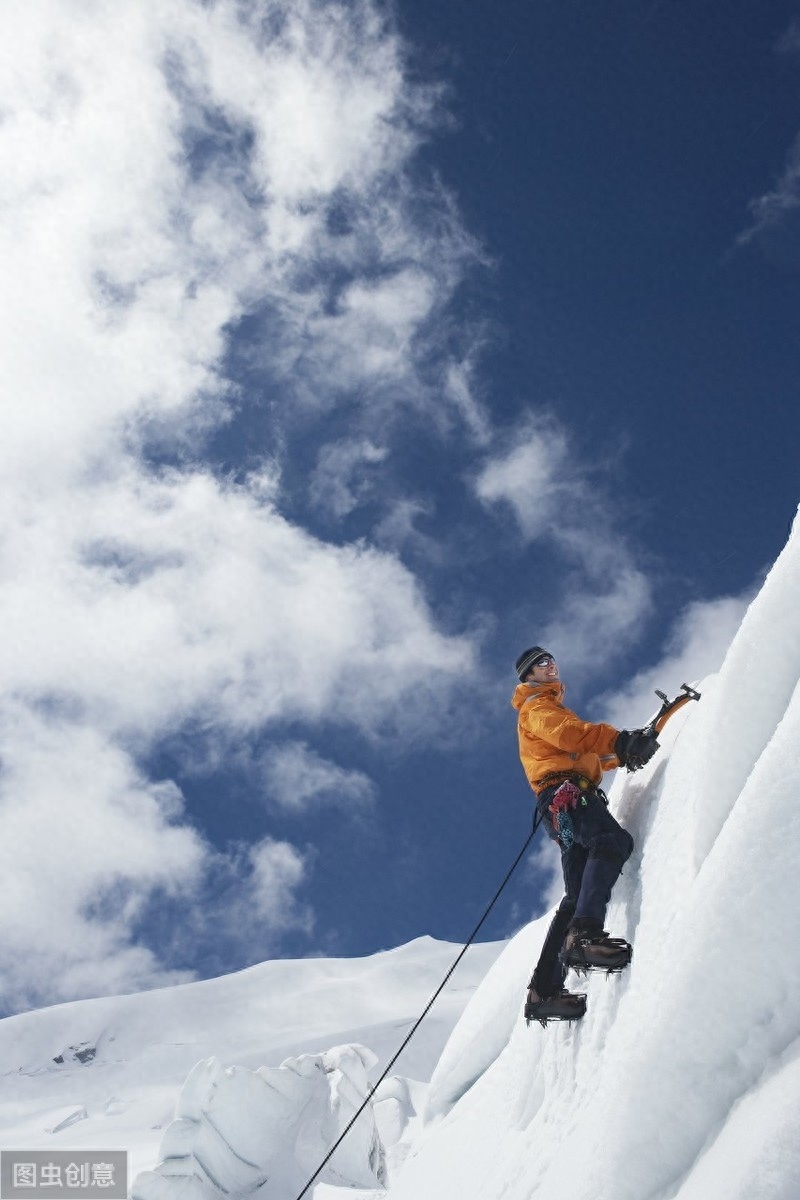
<point x="683" y="1080"/>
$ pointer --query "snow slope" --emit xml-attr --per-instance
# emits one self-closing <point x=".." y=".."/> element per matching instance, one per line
<point x="683" y="1081"/>
<point x="131" y="1055"/>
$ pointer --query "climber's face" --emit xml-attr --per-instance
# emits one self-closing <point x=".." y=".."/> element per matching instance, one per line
<point x="544" y="670"/>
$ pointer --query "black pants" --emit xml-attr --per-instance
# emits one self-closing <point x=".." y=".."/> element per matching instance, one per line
<point x="594" y="848"/>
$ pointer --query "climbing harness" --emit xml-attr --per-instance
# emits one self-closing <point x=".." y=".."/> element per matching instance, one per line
<point x="537" y="818"/>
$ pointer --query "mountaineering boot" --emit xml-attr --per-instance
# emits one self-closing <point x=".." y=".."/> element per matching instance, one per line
<point x="561" y="1006"/>
<point x="589" y="948"/>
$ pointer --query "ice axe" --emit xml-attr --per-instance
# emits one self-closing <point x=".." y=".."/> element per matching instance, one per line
<point x="668" y="707"/>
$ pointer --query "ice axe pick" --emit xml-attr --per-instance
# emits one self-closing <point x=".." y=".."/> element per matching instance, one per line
<point x="668" y="707"/>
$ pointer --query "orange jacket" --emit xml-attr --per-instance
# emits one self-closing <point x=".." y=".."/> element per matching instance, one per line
<point x="552" y="738"/>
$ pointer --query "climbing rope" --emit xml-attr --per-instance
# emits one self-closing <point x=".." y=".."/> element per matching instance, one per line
<point x="424" y="1013"/>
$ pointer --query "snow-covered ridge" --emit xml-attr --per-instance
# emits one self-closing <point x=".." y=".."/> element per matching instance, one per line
<point x="683" y="1081"/>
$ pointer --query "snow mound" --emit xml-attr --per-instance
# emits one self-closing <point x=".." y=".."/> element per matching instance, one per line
<point x="683" y="1080"/>
<point x="237" y="1131"/>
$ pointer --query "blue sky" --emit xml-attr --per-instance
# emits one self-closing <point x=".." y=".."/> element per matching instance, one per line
<point x="350" y="351"/>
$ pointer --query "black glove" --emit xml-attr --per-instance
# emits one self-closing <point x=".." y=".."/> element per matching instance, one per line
<point x="635" y="748"/>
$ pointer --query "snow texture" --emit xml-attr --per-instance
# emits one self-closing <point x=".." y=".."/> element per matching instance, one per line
<point x="237" y="1130"/>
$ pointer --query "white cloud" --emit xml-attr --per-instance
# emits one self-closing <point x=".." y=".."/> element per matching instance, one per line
<point x="605" y="594"/>
<point x="296" y="778"/>
<point x="776" y="210"/>
<point x="460" y="388"/>
<point x="333" y="487"/>
<point x="606" y="599"/>
<point x="209" y="608"/>
<point x="277" y="870"/>
<point x="533" y="478"/>
<point x="774" y="214"/>
<point x="379" y="335"/>
<point x="86" y="839"/>
<point x="147" y="603"/>
<point x="398" y="529"/>
<point x="165" y="169"/>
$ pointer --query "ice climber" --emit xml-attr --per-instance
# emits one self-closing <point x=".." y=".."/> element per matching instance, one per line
<point x="564" y="759"/>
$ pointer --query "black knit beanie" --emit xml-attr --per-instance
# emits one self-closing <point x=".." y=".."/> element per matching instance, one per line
<point x="527" y="659"/>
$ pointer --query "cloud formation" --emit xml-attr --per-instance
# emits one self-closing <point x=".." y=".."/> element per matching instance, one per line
<point x="85" y="839"/>
<point x="605" y="593"/>
<point x="534" y="477"/>
<point x="296" y="778"/>
<point x="277" y="870"/>
<point x="775" y="215"/>
<point x="340" y="480"/>
<point x="167" y="171"/>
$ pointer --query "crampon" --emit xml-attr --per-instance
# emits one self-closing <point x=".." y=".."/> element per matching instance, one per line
<point x="596" y="952"/>
<point x="562" y="1006"/>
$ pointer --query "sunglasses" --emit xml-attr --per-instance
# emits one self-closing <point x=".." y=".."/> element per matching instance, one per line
<point x="544" y="661"/>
